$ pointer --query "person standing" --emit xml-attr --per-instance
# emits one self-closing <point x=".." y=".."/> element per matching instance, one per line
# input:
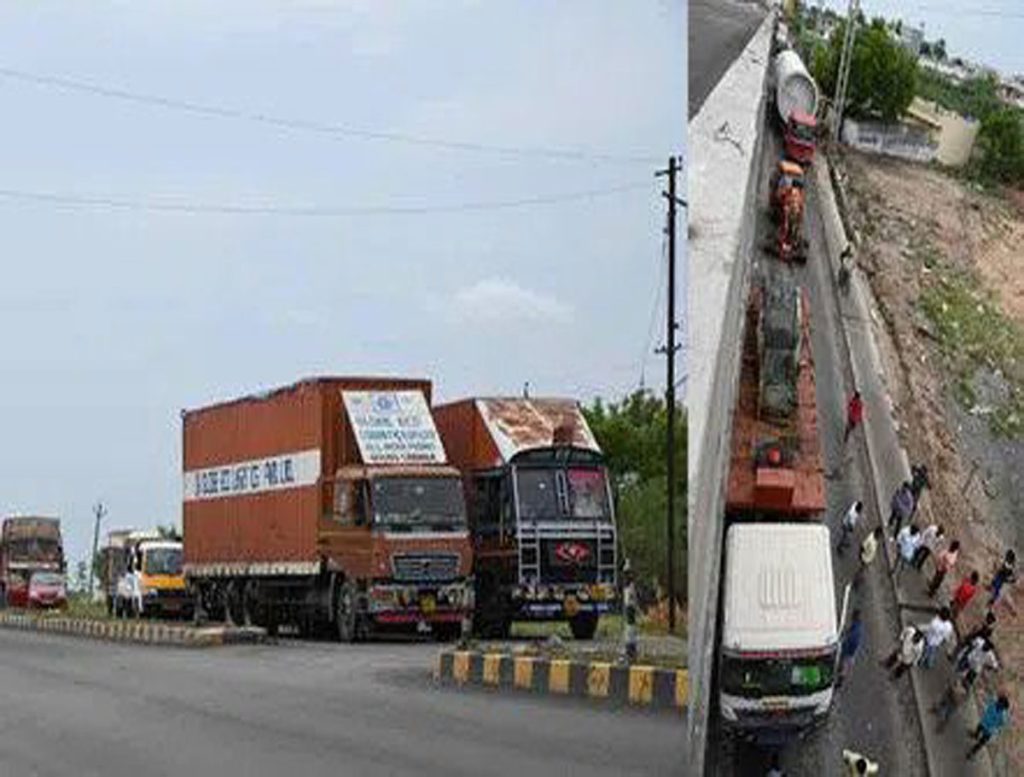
<point x="918" y="482"/>
<point x="907" y="541"/>
<point x="907" y="653"/>
<point x="849" y="524"/>
<point x="993" y="720"/>
<point x="931" y="540"/>
<point x="980" y="657"/>
<point x="902" y="505"/>
<point x="936" y="632"/>
<point x="854" y="415"/>
<point x="984" y="630"/>
<point x="850" y="646"/>
<point x="964" y="593"/>
<point x="944" y="564"/>
<point x="1005" y="574"/>
<point x="857" y="764"/>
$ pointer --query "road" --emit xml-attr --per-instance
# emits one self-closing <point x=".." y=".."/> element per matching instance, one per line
<point x="718" y="32"/>
<point x="90" y="708"/>
<point x="872" y="715"/>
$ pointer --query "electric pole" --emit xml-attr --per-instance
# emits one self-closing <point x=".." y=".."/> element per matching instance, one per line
<point x="845" y="63"/>
<point x="669" y="350"/>
<point x="99" y="511"/>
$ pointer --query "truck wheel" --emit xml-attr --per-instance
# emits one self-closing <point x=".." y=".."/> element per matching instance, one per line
<point x="345" y="616"/>
<point x="584" y="625"/>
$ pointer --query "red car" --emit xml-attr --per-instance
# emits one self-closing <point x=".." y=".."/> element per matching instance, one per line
<point x="46" y="590"/>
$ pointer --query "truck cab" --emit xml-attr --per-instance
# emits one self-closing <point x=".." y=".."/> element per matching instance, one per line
<point x="800" y="137"/>
<point x="150" y="580"/>
<point x="778" y="656"/>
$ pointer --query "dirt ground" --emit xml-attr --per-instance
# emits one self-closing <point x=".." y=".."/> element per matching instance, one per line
<point x="946" y="266"/>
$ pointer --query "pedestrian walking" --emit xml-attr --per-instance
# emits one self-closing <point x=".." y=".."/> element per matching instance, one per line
<point x="868" y="551"/>
<point x="907" y="653"/>
<point x="775" y="769"/>
<point x="849" y="524"/>
<point x="964" y="593"/>
<point x="918" y="482"/>
<point x="907" y="542"/>
<point x="944" y="564"/>
<point x="857" y="764"/>
<point x="902" y="505"/>
<point x="854" y="415"/>
<point x="993" y="720"/>
<point x="851" y="643"/>
<point x="931" y="539"/>
<point x="983" y="630"/>
<point x="936" y="633"/>
<point x="980" y="657"/>
<point x="1005" y="574"/>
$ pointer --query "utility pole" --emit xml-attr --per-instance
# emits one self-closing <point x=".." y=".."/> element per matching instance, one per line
<point x="99" y="511"/>
<point x="845" y="63"/>
<point x="669" y="350"/>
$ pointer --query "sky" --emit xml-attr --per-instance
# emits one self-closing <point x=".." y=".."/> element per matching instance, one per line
<point x="118" y="318"/>
<point x="987" y="31"/>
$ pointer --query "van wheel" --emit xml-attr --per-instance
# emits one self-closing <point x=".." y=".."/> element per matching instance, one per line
<point x="583" y="626"/>
<point x="346" y="619"/>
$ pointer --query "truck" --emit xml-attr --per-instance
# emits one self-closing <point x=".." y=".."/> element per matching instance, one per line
<point x="28" y="544"/>
<point x="779" y="635"/>
<point x="795" y="97"/>
<point x="786" y="202"/>
<point x="328" y="504"/>
<point x="141" y="575"/>
<point x="541" y="512"/>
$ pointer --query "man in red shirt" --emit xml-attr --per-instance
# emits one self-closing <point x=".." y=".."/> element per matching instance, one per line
<point x="854" y="415"/>
<point x="964" y="593"/>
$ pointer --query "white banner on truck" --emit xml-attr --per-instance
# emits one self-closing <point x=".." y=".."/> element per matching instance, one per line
<point x="394" y="427"/>
<point x="257" y="476"/>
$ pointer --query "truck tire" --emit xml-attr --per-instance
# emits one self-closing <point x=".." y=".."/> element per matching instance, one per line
<point x="584" y="625"/>
<point x="346" y="616"/>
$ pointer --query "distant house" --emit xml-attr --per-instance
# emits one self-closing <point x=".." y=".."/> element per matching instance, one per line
<point x="953" y="134"/>
<point x="1011" y="90"/>
<point x="912" y="38"/>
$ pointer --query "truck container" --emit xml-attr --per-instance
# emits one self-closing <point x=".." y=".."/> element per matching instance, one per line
<point x="141" y="574"/>
<point x="796" y="105"/>
<point x="779" y="631"/>
<point x="327" y="503"/>
<point x="541" y="512"/>
<point x="28" y="544"/>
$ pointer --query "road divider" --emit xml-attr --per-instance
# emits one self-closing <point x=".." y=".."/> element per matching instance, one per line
<point x="639" y="686"/>
<point x="138" y="632"/>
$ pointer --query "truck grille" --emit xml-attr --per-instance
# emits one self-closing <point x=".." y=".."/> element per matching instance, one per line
<point x="568" y="561"/>
<point x="418" y="567"/>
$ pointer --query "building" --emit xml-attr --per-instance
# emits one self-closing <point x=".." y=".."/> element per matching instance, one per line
<point x="953" y="134"/>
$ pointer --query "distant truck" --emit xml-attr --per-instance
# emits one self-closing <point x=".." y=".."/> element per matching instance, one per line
<point x="796" y="105"/>
<point x="779" y="632"/>
<point x="141" y="575"/>
<point x="541" y="512"/>
<point x="327" y="504"/>
<point x="28" y="545"/>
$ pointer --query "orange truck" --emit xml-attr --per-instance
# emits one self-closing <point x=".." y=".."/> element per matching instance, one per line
<point x="327" y="504"/>
<point x="541" y="512"/>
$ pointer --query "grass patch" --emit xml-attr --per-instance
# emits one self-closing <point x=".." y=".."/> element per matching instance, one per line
<point x="976" y="336"/>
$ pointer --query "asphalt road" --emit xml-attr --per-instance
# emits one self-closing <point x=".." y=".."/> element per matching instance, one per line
<point x="84" y="707"/>
<point x="718" y="31"/>
<point x="871" y="715"/>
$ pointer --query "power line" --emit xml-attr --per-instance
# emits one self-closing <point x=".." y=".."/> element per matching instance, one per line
<point x="303" y="125"/>
<point x="114" y="203"/>
<point x="655" y="307"/>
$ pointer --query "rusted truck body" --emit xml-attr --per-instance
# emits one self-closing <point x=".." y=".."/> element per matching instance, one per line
<point x="541" y="512"/>
<point x="326" y="504"/>
<point x="28" y="544"/>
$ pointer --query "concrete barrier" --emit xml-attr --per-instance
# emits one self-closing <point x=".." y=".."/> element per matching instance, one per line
<point x="139" y="632"/>
<point x="726" y="139"/>
<point x="637" y="686"/>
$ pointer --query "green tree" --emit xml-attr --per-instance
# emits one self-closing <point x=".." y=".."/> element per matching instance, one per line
<point x="168" y="531"/>
<point x="883" y="74"/>
<point x="632" y="435"/>
<point x="1002" y="147"/>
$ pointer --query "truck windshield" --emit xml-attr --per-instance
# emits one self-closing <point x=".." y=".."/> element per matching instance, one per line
<point x="758" y="677"/>
<point x="163" y="561"/>
<point x="35" y="549"/>
<point x="418" y="502"/>
<point x="554" y="493"/>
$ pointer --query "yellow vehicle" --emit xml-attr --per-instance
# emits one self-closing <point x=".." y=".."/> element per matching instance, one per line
<point x="148" y="576"/>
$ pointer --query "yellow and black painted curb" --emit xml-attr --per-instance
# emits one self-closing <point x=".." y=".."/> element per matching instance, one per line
<point x="140" y="632"/>
<point x="637" y="685"/>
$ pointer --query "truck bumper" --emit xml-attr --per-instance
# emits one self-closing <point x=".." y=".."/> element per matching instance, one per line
<point x="396" y="604"/>
<point x="561" y="603"/>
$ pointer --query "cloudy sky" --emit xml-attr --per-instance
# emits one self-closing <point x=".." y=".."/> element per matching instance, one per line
<point x="117" y="318"/>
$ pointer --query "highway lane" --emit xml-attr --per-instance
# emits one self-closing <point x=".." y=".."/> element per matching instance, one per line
<point x="298" y="708"/>
<point x="871" y="714"/>
<point x="718" y="31"/>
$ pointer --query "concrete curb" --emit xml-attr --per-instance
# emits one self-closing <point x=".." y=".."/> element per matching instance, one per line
<point x="639" y="686"/>
<point x="138" y="632"/>
<point x="835" y="226"/>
